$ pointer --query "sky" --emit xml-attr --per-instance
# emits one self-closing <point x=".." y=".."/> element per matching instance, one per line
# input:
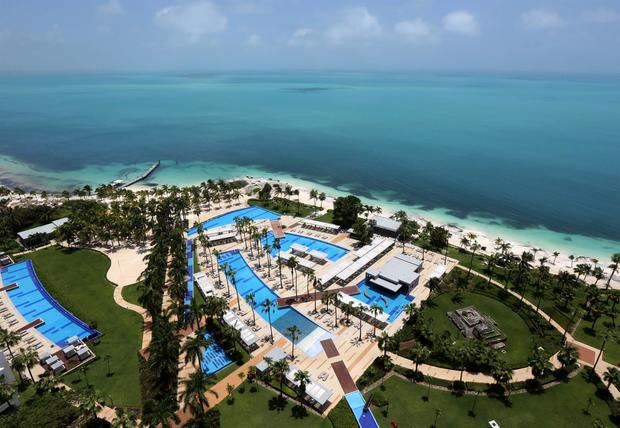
<point x="162" y="35"/>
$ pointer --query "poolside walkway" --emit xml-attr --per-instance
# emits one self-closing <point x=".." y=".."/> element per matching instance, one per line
<point x="219" y="392"/>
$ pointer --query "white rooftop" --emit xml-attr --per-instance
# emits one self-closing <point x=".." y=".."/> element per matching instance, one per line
<point x="46" y="228"/>
<point x="386" y="223"/>
<point x="399" y="270"/>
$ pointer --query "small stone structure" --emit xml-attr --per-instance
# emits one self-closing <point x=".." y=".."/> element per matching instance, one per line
<point x="472" y="325"/>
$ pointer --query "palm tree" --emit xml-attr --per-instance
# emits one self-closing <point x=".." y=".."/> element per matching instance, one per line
<point x="225" y="267"/>
<point x="572" y="260"/>
<point x="474" y="246"/>
<point x="501" y="372"/>
<point x="419" y="353"/>
<point x="30" y="359"/>
<point x="555" y="256"/>
<point x="309" y="274"/>
<point x="293" y="332"/>
<point x="233" y="278"/>
<point x="193" y="395"/>
<point x="615" y="262"/>
<point x="251" y="299"/>
<point x="18" y="365"/>
<point x="322" y="198"/>
<point x="385" y="343"/>
<point x="194" y="346"/>
<point x="268" y="306"/>
<point x="292" y="265"/>
<point x="88" y="404"/>
<point x="568" y="356"/>
<point x="160" y="413"/>
<point x="302" y="378"/>
<point x="9" y="339"/>
<point x="375" y="309"/>
<point x="539" y="362"/>
<point x="280" y="368"/>
<point x="124" y="420"/>
<point x="611" y="376"/>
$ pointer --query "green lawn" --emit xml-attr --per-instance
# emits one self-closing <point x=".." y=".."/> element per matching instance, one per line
<point x="131" y="293"/>
<point x="560" y="406"/>
<point x="77" y="279"/>
<point x="595" y="338"/>
<point x="284" y="206"/>
<point x="328" y="217"/>
<point x="263" y="409"/>
<point x="519" y="343"/>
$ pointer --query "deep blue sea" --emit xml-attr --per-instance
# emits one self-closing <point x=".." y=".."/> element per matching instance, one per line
<point x="533" y="154"/>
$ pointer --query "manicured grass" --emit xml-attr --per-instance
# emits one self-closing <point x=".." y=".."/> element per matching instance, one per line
<point x="263" y="409"/>
<point x="285" y="206"/>
<point x="595" y="337"/>
<point x="519" y="343"/>
<point x="560" y="406"/>
<point x="77" y="279"/>
<point x="131" y="293"/>
<point x="328" y="217"/>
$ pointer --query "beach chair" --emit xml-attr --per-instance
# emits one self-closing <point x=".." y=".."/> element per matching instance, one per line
<point x="38" y="345"/>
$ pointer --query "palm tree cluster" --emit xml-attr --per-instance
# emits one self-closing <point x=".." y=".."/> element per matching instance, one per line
<point x="429" y="237"/>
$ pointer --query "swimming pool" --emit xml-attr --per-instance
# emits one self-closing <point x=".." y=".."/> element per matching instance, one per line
<point x="214" y="358"/>
<point x="334" y="252"/>
<point x="392" y="303"/>
<point x="254" y="213"/>
<point x="282" y="318"/>
<point x="189" y="254"/>
<point x="33" y="301"/>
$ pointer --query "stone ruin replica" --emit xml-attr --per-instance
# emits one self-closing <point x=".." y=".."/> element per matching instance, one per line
<point x="473" y="325"/>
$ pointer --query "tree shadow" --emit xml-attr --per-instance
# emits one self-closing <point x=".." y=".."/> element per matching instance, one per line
<point x="457" y="298"/>
<point x="299" y="412"/>
<point x="277" y="404"/>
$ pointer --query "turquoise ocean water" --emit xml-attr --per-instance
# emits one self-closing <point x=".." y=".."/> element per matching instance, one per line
<point x="536" y="157"/>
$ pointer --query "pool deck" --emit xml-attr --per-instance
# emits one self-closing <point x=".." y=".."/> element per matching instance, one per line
<point x="304" y="298"/>
<point x="356" y="355"/>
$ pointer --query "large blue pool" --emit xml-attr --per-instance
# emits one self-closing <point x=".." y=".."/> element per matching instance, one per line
<point x="334" y="252"/>
<point x="392" y="303"/>
<point x="189" y="255"/>
<point x="254" y="213"/>
<point x="214" y="358"/>
<point x="33" y="301"/>
<point x="283" y="318"/>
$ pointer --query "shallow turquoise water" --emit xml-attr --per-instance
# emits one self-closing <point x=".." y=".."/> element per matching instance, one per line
<point x="512" y="152"/>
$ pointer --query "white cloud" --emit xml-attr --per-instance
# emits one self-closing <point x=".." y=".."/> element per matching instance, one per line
<point x="541" y="19"/>
<point x="416" y="31"/>
<point x="254" y="40"/>
<point x="602" y="16"/>
<point x="302" y="37"/>
<point x="111" y="8"/>
<point x="357" y="24"/>
<point x="462" y="22"/>
<point x="194" y="19"/>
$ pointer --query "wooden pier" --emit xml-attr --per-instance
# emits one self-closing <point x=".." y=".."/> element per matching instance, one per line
<point x="143" y="176"/>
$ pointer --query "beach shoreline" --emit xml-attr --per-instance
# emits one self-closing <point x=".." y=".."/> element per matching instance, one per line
<point x="484" y="238"/>
<point x="487" y="229"/>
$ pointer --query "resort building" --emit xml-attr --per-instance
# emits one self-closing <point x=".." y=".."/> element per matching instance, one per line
<point x="386" y="226"/>
<point x="400" y="272"/>
<point x="222" y="235"/>
<point x="26" y="237"/>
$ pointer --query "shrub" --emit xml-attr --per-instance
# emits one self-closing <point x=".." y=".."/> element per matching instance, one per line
<point x="341" y="416"/>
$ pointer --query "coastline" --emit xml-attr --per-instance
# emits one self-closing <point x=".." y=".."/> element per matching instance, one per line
<point x="486" y="228"/>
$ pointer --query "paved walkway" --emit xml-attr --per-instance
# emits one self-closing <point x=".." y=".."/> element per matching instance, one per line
<point x="219" y="392"/>
<point x="146" y="330"/>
